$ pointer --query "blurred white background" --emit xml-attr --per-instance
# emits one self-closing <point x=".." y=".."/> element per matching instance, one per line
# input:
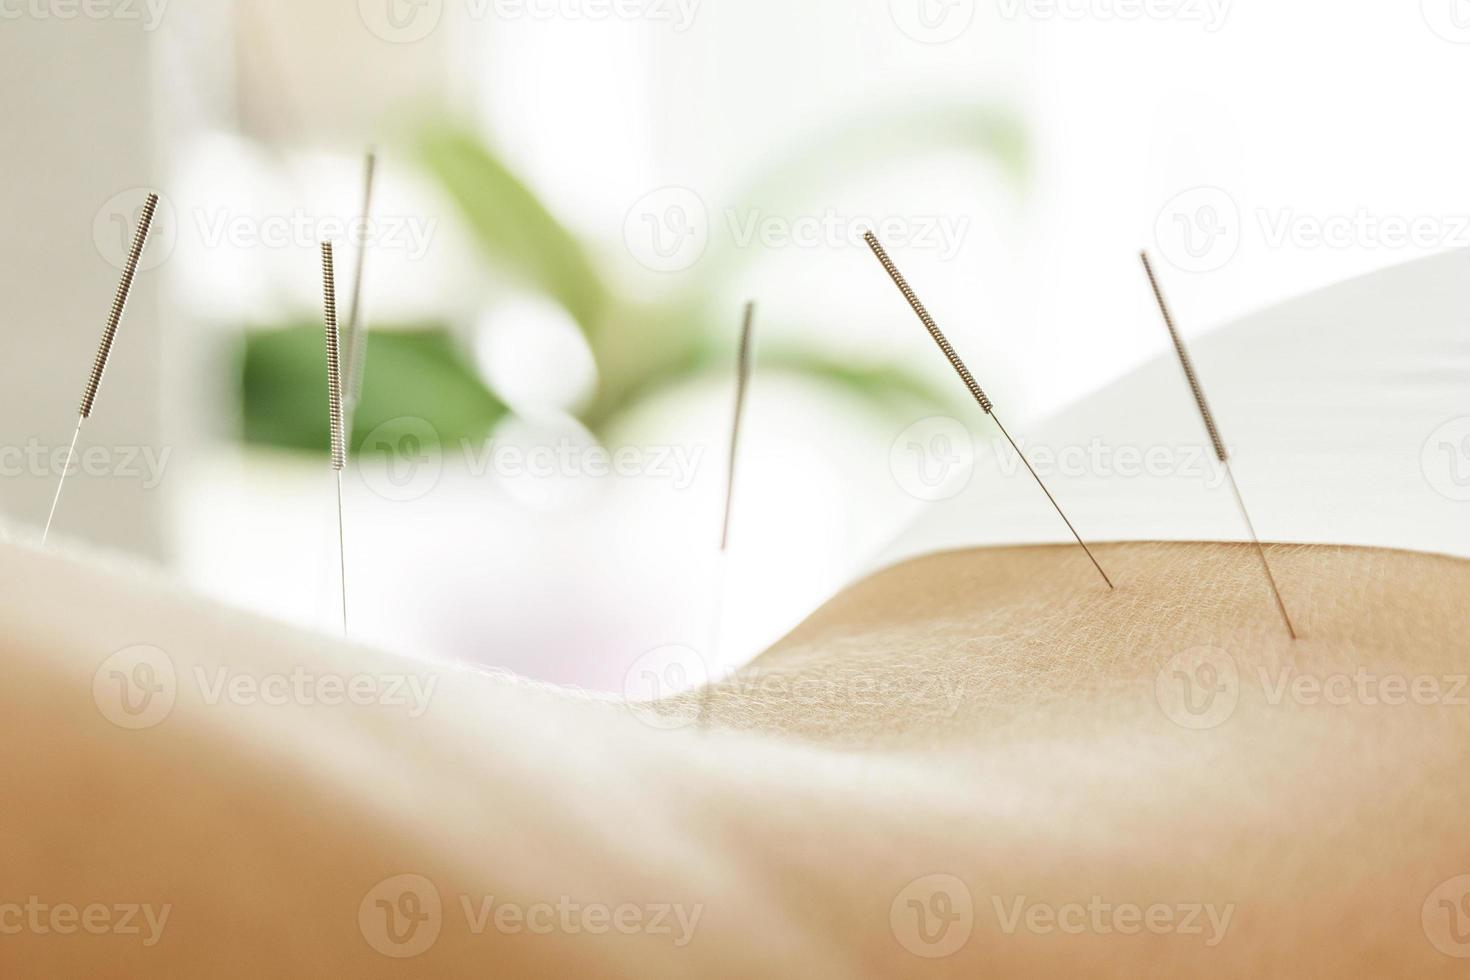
<point x="1015" y="154"/>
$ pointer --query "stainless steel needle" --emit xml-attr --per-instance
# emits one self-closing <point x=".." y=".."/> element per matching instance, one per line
<point x="970" y="383"/>
<point x="104" y="351"/>
<point x="1214" y="430"/>
<point x="744" y="362"/>
<point x="742" y="381"/>
<point x="354" y="338"/>
<point x="334" y="406"/>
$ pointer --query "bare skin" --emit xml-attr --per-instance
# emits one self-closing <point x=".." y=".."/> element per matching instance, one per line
<point x="982" y="753"/>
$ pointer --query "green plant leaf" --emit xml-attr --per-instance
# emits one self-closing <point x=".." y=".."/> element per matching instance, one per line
<point x="416" y="373"/>
<point x="512" y="224"/>
<point x="639" y="348"/>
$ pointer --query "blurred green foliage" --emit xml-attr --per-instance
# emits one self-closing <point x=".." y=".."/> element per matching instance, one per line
<point x="419" y="370"/>
<point x="421" y="374"/>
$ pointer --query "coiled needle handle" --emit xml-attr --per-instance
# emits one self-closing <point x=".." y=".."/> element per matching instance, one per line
<point x="334" y="406"/>
<point x="975" y="390"/>
<point x="1220" y="451"/>
<point x="104" y="350"/>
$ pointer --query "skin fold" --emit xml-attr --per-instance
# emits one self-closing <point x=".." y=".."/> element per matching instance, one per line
<point x="973" y="763"/>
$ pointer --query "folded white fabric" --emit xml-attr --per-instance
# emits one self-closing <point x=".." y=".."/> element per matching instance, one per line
<point x="1347" y="414"/>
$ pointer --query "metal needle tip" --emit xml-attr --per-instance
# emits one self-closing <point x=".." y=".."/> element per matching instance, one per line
<point x="104" y="349"/>
<point x="334" y="406"/>
<point x="975" y="390"/>
<point x="744" y="358"/>
<point x="354" y="336"/>
<point x="1221" y="453"/>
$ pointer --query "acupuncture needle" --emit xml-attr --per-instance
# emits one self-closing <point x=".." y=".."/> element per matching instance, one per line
<point x="334" y="406"/>
<point x="104" y="351"/>
<point x="744" y="361"/>
<point x="975" y="390"/>
<point x="354" y="339"/>
<point x="1214" y="430"/>
<point x="742" y="380"/>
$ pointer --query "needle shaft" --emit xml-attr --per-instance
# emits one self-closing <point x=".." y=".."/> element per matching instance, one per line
<point x="334" y="406"/>
<point x="1221" y="452"/>
<point x="354" y="338"/>
<point x="742" y="380"/>
<point x="975" y="390"/>
<point x="1060" y="513"/>
<point x="104" y="349"/>
<point x="61" y="484"/>
<point x="342" y="550"/>
<point x="1260" y="550"/>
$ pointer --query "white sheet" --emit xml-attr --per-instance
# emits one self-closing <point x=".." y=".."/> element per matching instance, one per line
<point x="1340" y="408"/>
